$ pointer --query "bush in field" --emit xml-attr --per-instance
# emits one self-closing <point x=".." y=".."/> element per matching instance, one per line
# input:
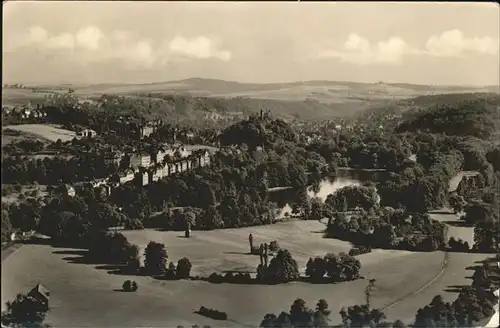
<point x="299" y="316"/>
<point x="458" y="245"/>
<point x="341" y="267"/>
<point x="359" y="250"/>
<point x="282" y="268"/>
<point x="274" y="246"/>
<point x="156" y="258"/>
<point x="183" y="269"/>
<point x="171" y="272"/>
<point x="130" y="286"/>
<point x="211" y="313"/>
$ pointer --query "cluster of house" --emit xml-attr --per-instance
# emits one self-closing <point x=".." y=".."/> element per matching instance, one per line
<point x="24" y="111"/>
<point x="152" y="167"/>
<point x="144" y="169"/>
<point x="141" y="128"/>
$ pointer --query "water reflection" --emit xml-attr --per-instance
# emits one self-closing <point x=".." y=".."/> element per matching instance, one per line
<point x="321" y="191"/>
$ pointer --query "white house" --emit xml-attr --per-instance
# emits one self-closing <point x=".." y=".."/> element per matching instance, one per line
<point x="137" y="160"/>
<point x="127" y="176"/>
<point x="87" y="133"/>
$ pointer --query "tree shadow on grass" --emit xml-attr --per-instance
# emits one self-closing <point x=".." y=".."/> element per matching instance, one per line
<point x="84" y="258"/>
<point x="41" y="241"/>
<point x="460" y="224"/>
<point x="441" y="211"/>
<point x="237" y="271"/>
<point x="455" y="288"/>
<point x="213" y="316"/>
<point x="79" y="252"/>
<point x="473" y="267"/>
<point x="240" y="253"/>
<point x="490" y="260"/>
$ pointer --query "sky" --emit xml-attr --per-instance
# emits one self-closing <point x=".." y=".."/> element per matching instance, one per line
<point x="139" y="42"/>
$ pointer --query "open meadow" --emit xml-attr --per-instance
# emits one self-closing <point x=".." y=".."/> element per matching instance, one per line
<point x="43" y="131"/>
<point x="81" y="293"/>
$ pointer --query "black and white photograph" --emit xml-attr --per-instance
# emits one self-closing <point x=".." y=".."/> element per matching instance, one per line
<point x="286" y="164"/>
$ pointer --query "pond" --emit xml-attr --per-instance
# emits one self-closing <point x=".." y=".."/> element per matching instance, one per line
<point x="325" y="188"/>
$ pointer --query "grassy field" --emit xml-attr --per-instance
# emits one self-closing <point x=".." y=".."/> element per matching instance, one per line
<point x="329" y="98"/>
<point x="9" y="136"/>
<point x="44" y="131"/>
<point x="328" y="91"/>
<point x="81" y="294"/>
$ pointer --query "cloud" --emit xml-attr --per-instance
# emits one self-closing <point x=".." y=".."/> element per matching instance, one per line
<point x="94" y="45"/>
<point x="358" y="50"/>
<point x="200" y="47"/>
<point x="452" y="43"/>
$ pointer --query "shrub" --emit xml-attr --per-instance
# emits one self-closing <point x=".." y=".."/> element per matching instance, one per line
<point x="130" y="286"/>
<point x="184" y="268"/>
<point x="211" y="313"/>
<point x="458" y="245"/>
<point x="133" y="224"/>
<point x="282" y="268"/>
<point x="171" y="272"/>
<point x="338" y="267"/>
<point x="215" y="278"/>
<point x="255" y="250"/>
<point x="133" y="265"/>
<point x="274" y="246"/>
<point x="359" y="250"/>
<point x="231" y="278"/>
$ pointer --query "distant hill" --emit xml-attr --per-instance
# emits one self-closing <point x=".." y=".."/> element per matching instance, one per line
<point x="323" y="91"/>
<point x="474" y="115"/>
<point x="306" y="99"/>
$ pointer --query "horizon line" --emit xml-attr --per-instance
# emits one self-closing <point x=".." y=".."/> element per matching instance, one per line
<point x="67" y="83"/>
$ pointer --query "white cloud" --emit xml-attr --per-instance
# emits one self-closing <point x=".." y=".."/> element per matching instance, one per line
<point x="453" y="43"/>
<point x="37" y="34"/>
<point x="89" y="37"/>
<point x="62" y="41"/>
<point x="200" y="47"/>
<point x="358" y="50"/>
<point x="94" y="45"/>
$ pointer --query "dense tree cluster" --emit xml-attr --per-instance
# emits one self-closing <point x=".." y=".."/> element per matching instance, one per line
<point x="7" y="229"/>
<point x="23" y="146"/>
<point x="472" y="304"/>
<point x="389" y="228"/>
<point x="373" y="151"/>
<point x="55" y="170"/>
<point x="25" y="311"/>
<point x="353" y="197"/>
<point x="419" y="189"/>
<point x="113" y="248"/>
<point x="155" y="259"/>
<point x="341" y="267"/>
<point x="470" y="118"/>
<point x="299" y="316"/>
<point x="281" y="269"/>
